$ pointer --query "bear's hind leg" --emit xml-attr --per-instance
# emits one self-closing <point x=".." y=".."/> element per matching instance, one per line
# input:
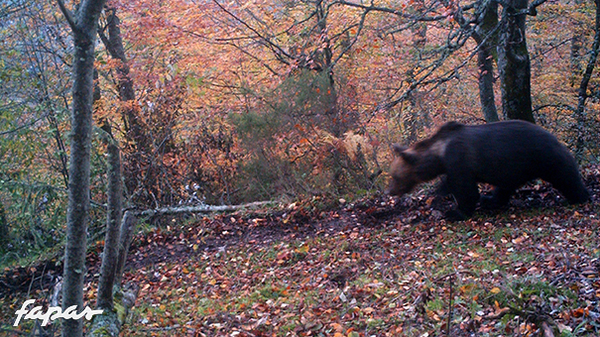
<point x="574" y="190"/>
<point x="567" y="180"/>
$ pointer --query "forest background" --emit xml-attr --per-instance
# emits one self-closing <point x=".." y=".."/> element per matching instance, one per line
<point x="230" y="102"/>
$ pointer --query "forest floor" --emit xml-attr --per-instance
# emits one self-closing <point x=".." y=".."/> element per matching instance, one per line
<point x="379" y="266"/>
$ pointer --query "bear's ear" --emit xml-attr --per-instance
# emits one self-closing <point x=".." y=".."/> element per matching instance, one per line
<point x="398" y="149"/>
<point x="409" y="157"/>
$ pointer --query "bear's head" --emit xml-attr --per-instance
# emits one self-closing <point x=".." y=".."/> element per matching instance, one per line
<point x="417" y="164"/>
<point x="403" y="172"/>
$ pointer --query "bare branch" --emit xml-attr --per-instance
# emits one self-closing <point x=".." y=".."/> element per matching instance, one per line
<point x="276" y="49"/>
<point x="419" y="18"/>
<point x="68" y="15"/>
<point x="533" y="7"/>
<point x="351" y="44"/>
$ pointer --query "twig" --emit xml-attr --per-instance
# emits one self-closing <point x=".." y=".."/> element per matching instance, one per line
<point x="24" y="126"/>
<point x="168" y="328"/>
<point x="277" y="49"/>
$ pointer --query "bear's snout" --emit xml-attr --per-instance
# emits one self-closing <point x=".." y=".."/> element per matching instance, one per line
<point x="396" y="189"/>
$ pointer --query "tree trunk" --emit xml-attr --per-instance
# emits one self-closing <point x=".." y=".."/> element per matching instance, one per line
<point x="487" y="98"/>
<point x="115" y="206"/>
<point x="487" y="37"/>
<point x="4" y="239"/>
<point x="322" y="57"/>
<point x="514" y="63"/>
<point x="138" y="144"/>
<point x="122" y="299"/>
<point x="127" y="226"/>
<point x="109" y="324"/>
<point x="587" y="75"/>
<point x="79" y="179"/>
<point x="84" y="36"/>
<point x="134" y="131"/>
<point x="576" y="46"/>
<point x="413" y="117"/>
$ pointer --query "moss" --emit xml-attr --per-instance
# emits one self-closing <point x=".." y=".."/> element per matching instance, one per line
<point x="106" y="324"/>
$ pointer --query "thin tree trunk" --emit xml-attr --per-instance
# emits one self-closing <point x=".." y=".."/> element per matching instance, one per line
<point x="114" y="45"/>
<point x="413" y="117"/>
<point x="576" y="47"/>
<point x="513" y="62"/>
<point x="79" y="180"/>
<point x="587" y="75"/>
<point x="84" y="36"/>
<point x="323" y="57"/>
<point x="139" y="145"/>
<point x="115" y="206"/>
<point x="487" y="98"/>
<point x="127" y="226"/>
<point x="486" y="37"/>
<point x="4" y="238"/>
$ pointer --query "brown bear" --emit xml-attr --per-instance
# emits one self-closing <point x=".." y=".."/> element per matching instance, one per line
<point x="504" y="154"/>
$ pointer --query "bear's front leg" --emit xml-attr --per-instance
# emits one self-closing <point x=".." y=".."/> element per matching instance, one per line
<point x="455" y="215"/>
<point x="465" y="191"/>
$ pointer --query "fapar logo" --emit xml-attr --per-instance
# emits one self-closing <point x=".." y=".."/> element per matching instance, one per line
<point x="53" y="313"/>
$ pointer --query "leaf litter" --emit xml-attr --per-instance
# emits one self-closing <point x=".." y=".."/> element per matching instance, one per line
<point x="379" y="266"/>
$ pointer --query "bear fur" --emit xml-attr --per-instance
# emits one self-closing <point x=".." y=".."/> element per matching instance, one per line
<point x="503" y="154"/>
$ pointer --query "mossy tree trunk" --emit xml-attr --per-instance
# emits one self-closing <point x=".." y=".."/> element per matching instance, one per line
<point x="514" y="64"/>
<point x="115" y="211"/>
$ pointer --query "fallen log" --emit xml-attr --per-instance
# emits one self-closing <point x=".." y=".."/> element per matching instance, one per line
<point x="200" y="209"/>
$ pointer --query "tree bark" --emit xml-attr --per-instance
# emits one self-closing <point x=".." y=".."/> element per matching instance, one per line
<point x="322" y="58"/>
<point x="587" y="75"/>
<point x="138" y="145"/>
<point x="115" y="206"/>
<point x="134" y="131"/>
<point x="576" y="47"/>
<point x="126" y="233"/>
<point x="4" y="239"/>
<point x="109" y="324"/>
<point x="513" y="62"/>
<point x="487" y="38"/>
<point x="413" y="117"/>
<point x="487" y="98"/>
<point x="84" y="37"/>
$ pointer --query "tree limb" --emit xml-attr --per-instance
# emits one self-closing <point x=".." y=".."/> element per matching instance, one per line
<point x="68" y="15"/>
<point x="532" y="10"/>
